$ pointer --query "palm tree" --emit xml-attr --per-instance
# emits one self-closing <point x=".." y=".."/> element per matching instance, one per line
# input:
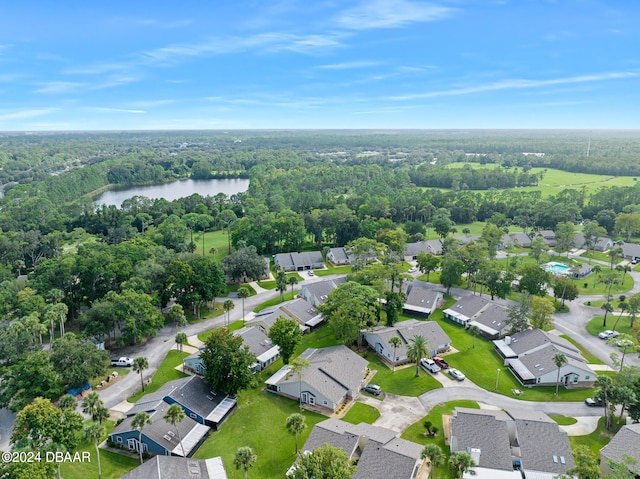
<point x="597" y="269"/>
<point x="475" y="330"/>
<point x="296" y="426"/>
<point x="173" y="416"/>
<point x="243" y="293"/>
<point x="298" y="365"/>
<point x="140" y="364"/>
<point x="91" y="404"/>
<point x="607" y="308"/>
<point x="559" y="360"/>
<point x="67" y="403"/>
<point x="213" y="250"/>
<point x="396" y="342"/>
<point x="92" y="432"/>
<point x="434" y="454"/>
<point x="281" y="284"/>
<point x="462" y="462"/>
<point x="101" y="414"/>
<point x="292" y="280"/>
<point x="181" y="340"/>
<point x="417" y="350"/>
<point x="139" y="421"/>
<point x="623" y="307"/>
<point x="228" y="306"/>
<point x="244" y="459"/>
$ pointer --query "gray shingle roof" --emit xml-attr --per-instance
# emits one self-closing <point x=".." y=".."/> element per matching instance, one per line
<point x="300" y="309"/>
<point x="341" y="255"/>
<point x="405" y="330"/>
<point x="421" y="297"/>
<point x="626" y="441"/>
<point x="491" y="318"/>
<point x="304" y="260"/>
<point x="171" y="467"/>
<point x="467" y="306"/>
<point x="430" y="246"/>
<point x="484" y="430"/>
<point x="631" y="250"/>
<point x="257" y="341"/>
<point x="316" y="293"/>
<point x="382" y="454"/>
<point x="540" y="442"/>
<point x="530" y="339"/>
<point x="540" y="361"/>
<point x="521" y="238"/>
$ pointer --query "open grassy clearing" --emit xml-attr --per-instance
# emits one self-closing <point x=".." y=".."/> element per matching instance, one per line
<point x="288" y="295"/>
<point x="361" y="412"/>
<point x="212" y="239"/>
<point x="416" y="432"/>
<point x="272" y="284"/>
<point x="595" y="327"/>
<point x="233" y="327"/>
<point x="403" y="380"/>
<point x="332" y="270"/>
<point x="564" y="420"/>
<point x="113" y="465"/>
<point x="165" y="373"/>
<point x="259" y="423"/>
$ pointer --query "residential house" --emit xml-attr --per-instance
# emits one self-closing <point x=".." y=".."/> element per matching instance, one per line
<point x="299" y="261"/>
<point x="167" y="467"/>
<point x="378" y="339"/>
<point x="317" y="293"/>
<point x="581" y="272"/>
<point x="299" y="310"/>
<point x="548" y="236"/>
<point x="501" y="441"/>
<point x="194" y="396"/>
<point x="412" y="250"/>
<point x="473" y="310"/>
<point x="377" y="451"/>
<point x="603" y="244"/>
<point x="505" y="242"/>
<point x="159" y="437"/>
<point x="335" y="375"/>
<point x="341" y="257"/>
<point x="522" y="240"/>
<point x="631" y="252"/>
<point x="625" y="442"/>
<point x="529" y="356"/>
<point x="421" y="299"/>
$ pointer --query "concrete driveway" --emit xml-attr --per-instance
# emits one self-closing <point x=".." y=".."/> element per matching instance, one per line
<point x="396" y="412"/>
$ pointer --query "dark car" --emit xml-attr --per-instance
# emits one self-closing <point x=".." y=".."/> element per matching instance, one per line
<point x="593" y="402"/>
<point x="441" y="362"/>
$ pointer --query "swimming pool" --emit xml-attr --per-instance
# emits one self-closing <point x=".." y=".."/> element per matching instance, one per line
<point x="555" y="268"/>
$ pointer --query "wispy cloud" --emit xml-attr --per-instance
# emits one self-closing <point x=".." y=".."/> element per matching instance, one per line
<point x="348" y="65"/>
<point x="516" y="85"/>
<point x="22" y="114"/>
<point x="56" y="87"/>
<point x="98" y="69"/>
<point x="113" y="110"/>
<point x="391" y="14"/>
<point x="269" y="42"/>
<point x="150" y="22"/>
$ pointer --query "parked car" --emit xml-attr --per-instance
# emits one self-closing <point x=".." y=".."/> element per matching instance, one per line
<point x="121" y="362"/>
<point x="593" y="402"/>
<point x="608" y="334"/>
<point x="441" y="362"/>
<point x="455" y="374"/>
<point x="372" y="389"/>
<point x="412" y="270"/>
<point x="311" y="273"/>
<point x="429" y="365"/>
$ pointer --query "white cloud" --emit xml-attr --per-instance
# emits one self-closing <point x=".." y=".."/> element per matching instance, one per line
<point x="516" y="85"/>
<point x="391" y="14"/>
<point x="21" y="114"/>
<point x="58" y="87"/>
<point x="348" y="65"/>
<point x="113" y="110"/>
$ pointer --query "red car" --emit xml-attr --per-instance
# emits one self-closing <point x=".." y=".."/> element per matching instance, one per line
<point x="441" y="362"/>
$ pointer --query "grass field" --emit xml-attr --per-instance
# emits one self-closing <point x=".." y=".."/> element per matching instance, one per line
<point x="212" y="239"/>
<point x="361" y="412"/>
<point x="259" y="411"/>
<point x="113" y="465"/>
<point x="597" y="439"/>
<point x="564" y="420"/>
<point x="272" y="284"/>
<point x="594" y="327"/>
<point x="555" y="181"/>
<point x="232" y="327"/>
<point x="416" y="432"/>
<point x="165" y="373"/>
<point x="333" y="270"/>
<point x="402" y="381"/>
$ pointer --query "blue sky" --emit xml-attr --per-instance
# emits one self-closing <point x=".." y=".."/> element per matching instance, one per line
<point x="78" y="65"/>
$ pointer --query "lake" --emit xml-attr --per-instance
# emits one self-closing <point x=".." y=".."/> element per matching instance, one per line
<point x="175" y="190"/>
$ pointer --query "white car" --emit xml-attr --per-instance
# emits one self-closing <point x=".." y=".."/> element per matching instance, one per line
<point x="412" y="270"/>
<point x="608" y="334"/>
<point x="122" y="362"/>
<point x="429" y="365"/>
<point x="455" y="374"/>
<point x="311" y="273"/>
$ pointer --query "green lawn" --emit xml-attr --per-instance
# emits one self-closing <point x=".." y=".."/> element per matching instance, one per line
<point x="597" y="439"/>
<point x="564" y="420"/>
<point x="272" y="284"/>
<point x="213" y="239"/>
<point x="333" y="270"/>
<point x="594" y="327"/>
<point x="233" y="327"/>
<point x="586" y="285"/>
<point x="600" y="256"/>
<point x="121" y="372"/>
<point x="259" y="422"/>
<point x="321" y="338"/>
<point x="402" y="381"/>
<point x="288" y="295"/>
<point x="113" y="465"/>
<point x="361" y="412"/>
<point x="591" y="359"/>
<point x="416" y="432"/>
<point x="165" y="373"/>
<point x="599" y="302"/>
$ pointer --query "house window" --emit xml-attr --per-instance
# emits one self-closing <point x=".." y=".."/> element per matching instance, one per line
<point x="193" y="416"/>
<point x="575" y="379"/>
<point x="119" y="439"/>
<point x="325" y="402"/>
<point x="537" y="380"/>
<point x="587" y="377"/>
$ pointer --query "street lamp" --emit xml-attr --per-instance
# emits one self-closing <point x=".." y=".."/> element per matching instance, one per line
<point x="497" y="379"/>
